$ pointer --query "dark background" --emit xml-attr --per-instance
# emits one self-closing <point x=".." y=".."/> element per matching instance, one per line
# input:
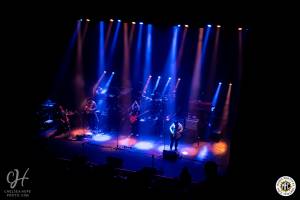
<point x="264" y="143"/>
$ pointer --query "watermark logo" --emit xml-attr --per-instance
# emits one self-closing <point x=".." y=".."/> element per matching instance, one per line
<point x="285" y="186"/>
<point x="16" y="179"/>
<point x="13" y="178"/>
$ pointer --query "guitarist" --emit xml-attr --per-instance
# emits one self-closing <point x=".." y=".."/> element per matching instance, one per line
<point x="176" y="130"/>
<point x="133" y="118"/>
<point x="63" y="122"/>
<point x="90" y="116"/>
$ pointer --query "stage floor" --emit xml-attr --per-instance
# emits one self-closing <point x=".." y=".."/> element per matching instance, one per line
<point x="142" y="151"/>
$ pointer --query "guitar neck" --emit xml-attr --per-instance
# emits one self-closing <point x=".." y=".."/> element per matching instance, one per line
<point x="142" y="113"/>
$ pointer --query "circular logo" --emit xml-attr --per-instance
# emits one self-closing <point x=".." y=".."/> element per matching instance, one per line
<point x="285" y="186"/>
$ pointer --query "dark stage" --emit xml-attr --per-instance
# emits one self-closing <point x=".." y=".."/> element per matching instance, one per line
<point x="139" y="152"/>
<point x="104" y="96"/>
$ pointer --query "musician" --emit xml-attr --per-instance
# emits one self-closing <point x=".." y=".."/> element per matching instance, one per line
<point x="89" y="116"/>
<point x="176" y="130"/>
<point x="133" y="118"/>
<point x="90" y="106"/>
<point x="63" y="122"/>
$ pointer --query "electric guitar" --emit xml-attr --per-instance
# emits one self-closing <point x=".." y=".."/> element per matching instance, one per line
<point x="177" y="133"/>
<point x="134" y="117"/>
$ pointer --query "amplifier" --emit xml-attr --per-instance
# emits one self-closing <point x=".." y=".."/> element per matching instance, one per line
<point x="191" y="124"/>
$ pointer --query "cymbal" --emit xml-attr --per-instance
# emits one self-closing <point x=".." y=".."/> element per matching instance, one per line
<point x="48" y="104"/>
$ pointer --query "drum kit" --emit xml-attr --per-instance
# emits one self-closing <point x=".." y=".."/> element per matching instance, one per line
<point x="53" y="115"/>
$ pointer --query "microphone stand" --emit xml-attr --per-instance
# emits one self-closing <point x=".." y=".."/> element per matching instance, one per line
<point x="117" y="147"/>
<point x="163" y="127"/>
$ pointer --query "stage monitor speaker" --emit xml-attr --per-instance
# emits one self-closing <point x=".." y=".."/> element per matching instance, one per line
<point x="170" y="155"/>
